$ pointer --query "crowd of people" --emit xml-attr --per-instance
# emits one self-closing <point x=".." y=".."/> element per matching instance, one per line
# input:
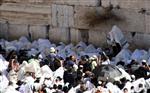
<point x="43" y="67"/>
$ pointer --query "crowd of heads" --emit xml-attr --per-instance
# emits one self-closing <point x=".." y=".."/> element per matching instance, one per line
<point x="47" y="70"/>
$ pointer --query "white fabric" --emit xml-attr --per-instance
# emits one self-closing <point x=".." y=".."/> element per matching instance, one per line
<point x="125" y="74"/>
<point x="11" y="89"/>
<point x="59" y="72"/>
<point x="147" y="81"/>
<point x="139" y="55"/>
<point x="116" y="35"/>
<point x="3" y="82"/>
<point x="123" y="55"/>
<point x="90" y="49"/>
<point x="137" y="82"/>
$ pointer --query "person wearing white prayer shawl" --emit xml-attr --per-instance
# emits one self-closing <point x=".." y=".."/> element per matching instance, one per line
<point x="139" y="85"/>
<point x="125" y="74"/>
<point x="29" y="84"/>
<point x="3" y="82"/>
<point x="11" y="89"/>
<point x="128" y="85"/>
<point x="21" y="71"/>
<point x="48" y="81"/>
<point x="12" y="76"/>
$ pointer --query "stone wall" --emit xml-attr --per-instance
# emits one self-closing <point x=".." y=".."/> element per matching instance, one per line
<point x="66" y="20"/>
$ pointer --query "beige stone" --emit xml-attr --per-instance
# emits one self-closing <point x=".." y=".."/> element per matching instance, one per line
<point x="62" y="16"/>
<point x="15" y="31"/>
<point x="131" y="20"/>
<point x="129" y="4"/>
<point x="26" y="8"/>
<point x="80" y="16"/>
<point x="37" y="31"/>
<point x="25" y="18"/>
<point x="147" y="23"/>
<point x="97" y="37"/>
<point x="3" y="30"/>
<point x="78" y="2"/>
<point x="59" y="34"/>
<point x="74" y="35"/>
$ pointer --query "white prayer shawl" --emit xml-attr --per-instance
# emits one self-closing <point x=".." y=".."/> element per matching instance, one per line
<point x="81" y="44"/>
<point x="137" y="82"/>
<point x="116" y="35"/>
<point x="43" y="43"/>
<point x="113" y="88"/>
<point x="21" y="71"/>
<point x="128" y="85"/>
<point x="72" y="90"/>
<point x="29" y="84"/>
<point x="59" y="72"/>
<point x="3" y="64"/>
<point x="22" y="88"/>
<point x="125" y="74"/>
<point x="123" y="55"/>
<point x="89" y="85"/>
<point x="46" y="70"/>
<point x="3" y="83"/>
<point x="139" y="55"/>
<point x="90" y="49"/>
<point x="11" y="89"/>
<point x="147" y="81"/>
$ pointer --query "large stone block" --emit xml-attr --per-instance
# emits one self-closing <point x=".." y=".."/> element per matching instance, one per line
<point x="37" y="31"/>
<point x="129" y="4"/>
<point x="4" y="30"/>
<point x="81" y="13"/>
<point x="97" y="37"/>
<point x="147" y="23"/>
<point x="15" y="31"/>
<point x="59" y="34"/>
<point x="62" y="16"/>
<point x="25" y="18"/>
<point x="131" y="20"/>
<point x="40" y="9"/>
<point x="74" y="34"/>
<point x="78" y="2"/>
<point x="146" y="4"/>
<point x="43" y="2"/>
<point x="142" y="40"/>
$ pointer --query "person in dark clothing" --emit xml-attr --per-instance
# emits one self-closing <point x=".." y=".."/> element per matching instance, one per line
<point x="69" y="77"/>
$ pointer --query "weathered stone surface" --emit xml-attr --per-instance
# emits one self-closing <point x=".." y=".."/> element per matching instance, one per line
<point x="142" y="40"/>
<point x="147" y="23"/>
<point x="3" y="30"/>
<point x="25" y="18"/>
<point x="97" y="37"/>
<point x="129" y="4"/>
<point x="26" y="8"/>
<point x="43" y="2"/>
<point x="15" y="31"/>
<point x="37" y="31"/>
<point x="62" y="16"/>
<point x="59" y="34"/>
<point x="80" y="16"/>
<point x="74" y="34"/>
<point x="131" y="20"/>
<point x="78" y="2"/>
